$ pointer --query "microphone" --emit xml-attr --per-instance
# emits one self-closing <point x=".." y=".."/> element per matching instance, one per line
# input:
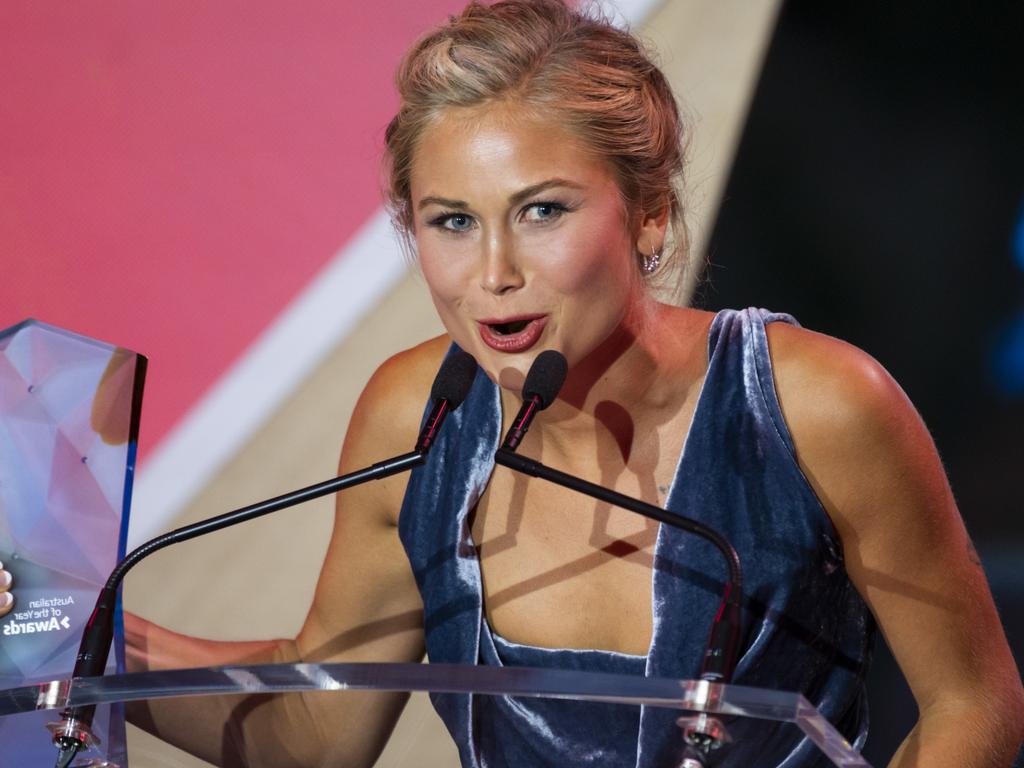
<point x="74" y="732"/>
<point x="543" y="381"/>
<point x="702" y="733"/>
<point x="450" y="388"/>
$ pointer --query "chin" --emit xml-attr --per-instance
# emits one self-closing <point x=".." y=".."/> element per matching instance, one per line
<point x="511" y="378"/>
<point x="507" y="371"/>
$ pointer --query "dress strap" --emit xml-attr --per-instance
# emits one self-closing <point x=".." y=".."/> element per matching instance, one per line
<point x="758" y="320"/>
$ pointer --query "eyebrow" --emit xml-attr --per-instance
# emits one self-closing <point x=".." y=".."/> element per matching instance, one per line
<point x="518" y="197"/>
<point x="442" y="201"/>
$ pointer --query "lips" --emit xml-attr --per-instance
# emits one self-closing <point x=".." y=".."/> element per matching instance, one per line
<point x="512" y="334"/>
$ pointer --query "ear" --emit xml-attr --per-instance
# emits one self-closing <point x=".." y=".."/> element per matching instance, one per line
<point x="651" y="235"/>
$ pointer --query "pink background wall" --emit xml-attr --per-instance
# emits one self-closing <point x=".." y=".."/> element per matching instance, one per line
<point x="173" y="174"/>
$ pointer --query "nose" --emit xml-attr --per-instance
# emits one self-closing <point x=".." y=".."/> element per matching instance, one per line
<point x="500" y="273"/>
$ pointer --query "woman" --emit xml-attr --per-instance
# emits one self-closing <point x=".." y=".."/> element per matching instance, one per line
<point x="532" y="165"/>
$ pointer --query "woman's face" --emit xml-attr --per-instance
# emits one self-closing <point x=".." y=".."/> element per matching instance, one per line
<point x="522" y="237"/>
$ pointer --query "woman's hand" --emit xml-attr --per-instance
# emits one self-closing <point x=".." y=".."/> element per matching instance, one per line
<point x="6" y="598"/>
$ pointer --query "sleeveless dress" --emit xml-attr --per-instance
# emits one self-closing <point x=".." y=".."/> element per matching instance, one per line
<point x="805" y="627"/>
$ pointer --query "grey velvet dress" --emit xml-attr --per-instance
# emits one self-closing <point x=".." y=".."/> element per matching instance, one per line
<point x="805" y="627"/>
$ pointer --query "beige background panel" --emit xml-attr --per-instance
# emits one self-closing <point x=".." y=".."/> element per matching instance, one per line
<point x="257" y="581"/>
<point x="712" y="53"/>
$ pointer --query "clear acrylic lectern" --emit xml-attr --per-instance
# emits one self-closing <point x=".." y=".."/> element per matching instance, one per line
<point x="691" y="698"/>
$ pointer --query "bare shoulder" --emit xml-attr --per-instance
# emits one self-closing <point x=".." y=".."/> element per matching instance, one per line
<point x="816" y="374"/>
<point x="852" y="424"/>
<point x="387" y="416"/>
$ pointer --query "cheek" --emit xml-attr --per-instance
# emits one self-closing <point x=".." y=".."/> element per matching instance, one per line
<point x="446" y="277"/>
<point x="442" y="271"/>
<point x="594" y="262"/>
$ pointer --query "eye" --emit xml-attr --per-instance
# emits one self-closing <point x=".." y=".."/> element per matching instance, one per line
<point x="453" y="222"/>
<point x="543" y="211"/>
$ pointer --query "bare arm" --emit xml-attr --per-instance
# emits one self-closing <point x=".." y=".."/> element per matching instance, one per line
<point x="872" y="462"/>
<point x="366" y="608"/>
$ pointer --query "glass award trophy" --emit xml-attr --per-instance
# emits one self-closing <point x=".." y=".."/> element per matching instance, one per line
<point x="69" y="413"/>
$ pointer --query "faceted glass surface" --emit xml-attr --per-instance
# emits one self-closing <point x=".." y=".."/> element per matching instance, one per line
<point x="67" y="453"/>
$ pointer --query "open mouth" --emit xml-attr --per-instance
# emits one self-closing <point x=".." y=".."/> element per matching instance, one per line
<point x="514" y="335"/>
<point x="507" y="329"/>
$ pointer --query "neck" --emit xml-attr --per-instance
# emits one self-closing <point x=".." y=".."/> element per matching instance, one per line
<point x="647" y="364"/>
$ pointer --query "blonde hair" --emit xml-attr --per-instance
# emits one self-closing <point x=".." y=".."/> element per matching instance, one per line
<point x="560" y="61"/>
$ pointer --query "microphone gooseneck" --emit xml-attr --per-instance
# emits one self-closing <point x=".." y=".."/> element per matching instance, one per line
<point x="451" y="386"/>
<point x="703" y="734"/>
<point x="543" y="381"/>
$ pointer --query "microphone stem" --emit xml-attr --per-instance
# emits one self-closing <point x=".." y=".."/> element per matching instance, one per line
<point x="92" y="655"/>
<point x="376" y="471"/>
<point x="536" y="469"/>
<point x="720" y="658"/>
<point x="451" y="386"/>
<point x="96" y="638"/>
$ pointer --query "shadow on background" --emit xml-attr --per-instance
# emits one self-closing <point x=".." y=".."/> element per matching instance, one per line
<point x="878" y="195"/>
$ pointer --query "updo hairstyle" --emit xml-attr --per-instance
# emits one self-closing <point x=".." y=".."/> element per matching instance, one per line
<point x="556" y="61"/>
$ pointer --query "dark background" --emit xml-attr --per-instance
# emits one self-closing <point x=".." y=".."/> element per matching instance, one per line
<point x="878" y="195"/>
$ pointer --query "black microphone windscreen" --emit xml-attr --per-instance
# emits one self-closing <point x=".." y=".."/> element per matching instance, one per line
<point x="454" y="378"/>
<point x="546" y="377"/>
